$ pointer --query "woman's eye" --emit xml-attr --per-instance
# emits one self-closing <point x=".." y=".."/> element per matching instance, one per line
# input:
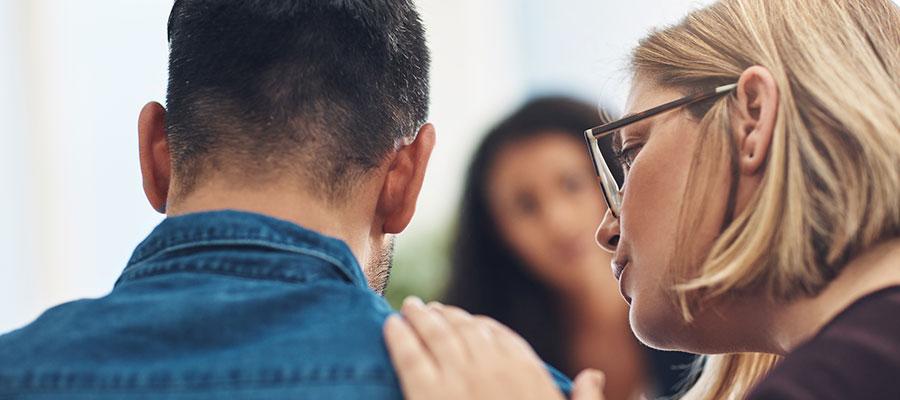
<point x="626" y="156"/>
<point x="572" y="183"/>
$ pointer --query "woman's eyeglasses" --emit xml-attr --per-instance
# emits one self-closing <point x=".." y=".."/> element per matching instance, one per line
<point x="611" y="182"/>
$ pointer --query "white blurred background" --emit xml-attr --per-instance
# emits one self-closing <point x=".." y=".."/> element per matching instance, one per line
<point x="74" y="74"/>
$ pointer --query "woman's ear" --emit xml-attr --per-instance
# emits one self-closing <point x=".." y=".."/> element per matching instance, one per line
<point x="403" y="181"/>
<point x="153" y="147"/>
<point x="754" y="118"/>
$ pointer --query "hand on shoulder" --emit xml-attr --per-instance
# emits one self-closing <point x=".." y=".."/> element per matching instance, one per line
<point x="443" y="352"/>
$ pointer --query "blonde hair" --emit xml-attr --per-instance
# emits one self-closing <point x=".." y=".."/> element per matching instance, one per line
<point x="831" y="187"/>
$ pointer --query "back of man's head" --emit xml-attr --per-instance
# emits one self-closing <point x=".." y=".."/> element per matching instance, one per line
<point x="322" y="89"/>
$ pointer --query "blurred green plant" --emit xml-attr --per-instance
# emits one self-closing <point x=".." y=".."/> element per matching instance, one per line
<point x="421" y="265"/>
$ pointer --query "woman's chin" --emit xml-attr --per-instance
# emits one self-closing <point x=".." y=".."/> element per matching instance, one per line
<point x="658" y="328"/>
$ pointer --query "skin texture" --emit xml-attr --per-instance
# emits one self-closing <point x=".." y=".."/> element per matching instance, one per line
<point x="547" y="216"/>
<point x="383" y="203"/>
<point x="643" y="240"/>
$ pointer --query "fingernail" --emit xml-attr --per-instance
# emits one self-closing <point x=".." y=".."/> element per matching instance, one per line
<point x="413" y="301"/>
<point x="599" y="380"/>
<point x="392" y="319"/>
<point x="593" y="378"/>
<point x="435" y="305"/>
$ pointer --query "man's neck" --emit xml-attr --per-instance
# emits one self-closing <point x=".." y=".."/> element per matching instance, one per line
<point x="295" y="206"/>
<point x="877" y="268"/>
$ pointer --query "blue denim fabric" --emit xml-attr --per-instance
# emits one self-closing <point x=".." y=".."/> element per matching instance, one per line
<point x="214" y="305"/>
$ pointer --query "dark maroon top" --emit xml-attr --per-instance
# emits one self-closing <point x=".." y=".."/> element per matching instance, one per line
<point x="856" y="356"/>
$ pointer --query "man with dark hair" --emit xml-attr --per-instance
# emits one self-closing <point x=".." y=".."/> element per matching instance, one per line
<point x="293" y="146"/>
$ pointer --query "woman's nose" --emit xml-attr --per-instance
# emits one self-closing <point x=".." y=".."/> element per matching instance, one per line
<point x="608" y="232"/>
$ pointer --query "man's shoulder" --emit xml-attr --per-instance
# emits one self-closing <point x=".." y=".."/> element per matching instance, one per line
<point x="307" y="318"/>
<point x="278" y="337"/>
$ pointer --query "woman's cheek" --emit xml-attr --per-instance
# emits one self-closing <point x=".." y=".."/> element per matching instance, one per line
<point x="654" y="192"/>
<point x="650" y="214"/>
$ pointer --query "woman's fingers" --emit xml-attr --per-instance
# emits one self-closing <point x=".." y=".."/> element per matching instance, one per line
<point x="512" y="343"/>
<point x="444" y="352"/>
<point x="475" y="335"/>
<point x="589" y="385"/>
<point x="416" y="370"/>
<point x="478" y="336"/>
<point x="504" y="357"/>
<point x="436" y="333"/>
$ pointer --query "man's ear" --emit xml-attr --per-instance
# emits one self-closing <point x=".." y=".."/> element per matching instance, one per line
<point x="156" y="163"/>
<point x="754" y="118"/>
<point x="403" y="181"/>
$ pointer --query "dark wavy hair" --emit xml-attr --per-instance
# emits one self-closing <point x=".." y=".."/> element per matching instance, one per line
<point x="487" y="277"/>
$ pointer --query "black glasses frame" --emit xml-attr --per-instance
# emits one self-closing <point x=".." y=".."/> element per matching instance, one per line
<point x="611" y="191"/>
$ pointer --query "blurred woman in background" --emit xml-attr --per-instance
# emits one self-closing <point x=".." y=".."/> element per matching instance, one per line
<point x="524" y="252"/>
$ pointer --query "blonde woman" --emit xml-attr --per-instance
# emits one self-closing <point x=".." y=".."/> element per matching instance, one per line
<point x="758" y="220"/>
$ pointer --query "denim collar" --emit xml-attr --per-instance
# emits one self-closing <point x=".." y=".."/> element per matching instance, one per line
<point x="236" y="228"/>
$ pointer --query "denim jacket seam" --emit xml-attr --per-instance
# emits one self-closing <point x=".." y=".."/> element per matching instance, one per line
<point x="180" y="238"/>
<point x="219" y="267"/>
<point x="129" y="272"/>
<point x="50" y="381"/>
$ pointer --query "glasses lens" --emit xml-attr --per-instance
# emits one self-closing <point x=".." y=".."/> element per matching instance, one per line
<point x="608" y="148"/>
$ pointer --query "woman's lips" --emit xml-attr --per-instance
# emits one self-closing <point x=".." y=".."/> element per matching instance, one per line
<point x="618" y="268"/>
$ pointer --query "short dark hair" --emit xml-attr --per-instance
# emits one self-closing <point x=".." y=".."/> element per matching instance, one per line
<point x="323" y="88"/>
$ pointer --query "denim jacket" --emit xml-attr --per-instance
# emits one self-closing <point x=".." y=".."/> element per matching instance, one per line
<point x="215" y="305"/>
